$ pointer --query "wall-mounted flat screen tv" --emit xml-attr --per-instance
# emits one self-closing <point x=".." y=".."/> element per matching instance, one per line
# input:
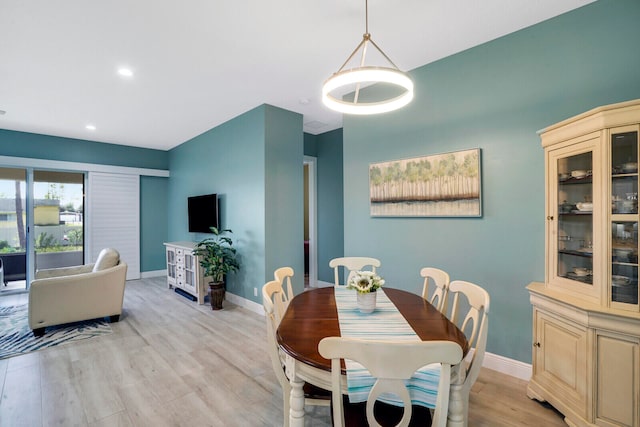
<point x="203" y="213"/>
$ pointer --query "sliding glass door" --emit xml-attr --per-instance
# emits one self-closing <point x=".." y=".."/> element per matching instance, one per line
<point x="58" y="219"/>
<point x="41" y="223"/>
<point x="13" y="229"/>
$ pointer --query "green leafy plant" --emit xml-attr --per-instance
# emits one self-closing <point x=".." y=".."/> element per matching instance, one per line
<point x="217" y="255"/>
<point x="45" y="240"/>
<point x="75" y="237"/>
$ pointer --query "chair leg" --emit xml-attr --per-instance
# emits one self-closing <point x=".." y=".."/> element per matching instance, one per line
<point x="286" y="395"/>
<point x="115" y="318"/>
<point x="38" y="332"/>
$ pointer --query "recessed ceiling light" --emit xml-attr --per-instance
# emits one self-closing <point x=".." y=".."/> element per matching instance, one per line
<point x="125" y="72"/>
<point x="90" y="127"/>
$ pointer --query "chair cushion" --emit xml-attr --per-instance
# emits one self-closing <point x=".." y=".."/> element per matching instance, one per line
<point x="108" y="258"/>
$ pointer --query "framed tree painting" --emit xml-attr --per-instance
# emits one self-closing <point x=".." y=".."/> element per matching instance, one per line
<point x="440" y="185"/>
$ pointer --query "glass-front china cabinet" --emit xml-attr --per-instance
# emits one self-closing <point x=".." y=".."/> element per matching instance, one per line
<point x="586" y="315"/>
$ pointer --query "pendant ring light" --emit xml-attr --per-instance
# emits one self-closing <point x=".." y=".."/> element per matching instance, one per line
<point x="367" y="75"/>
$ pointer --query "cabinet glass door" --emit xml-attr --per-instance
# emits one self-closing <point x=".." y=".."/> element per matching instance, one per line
<point x="575" y="218"/>
<point x="624" y="217"/>
<point x="171" y="264"/>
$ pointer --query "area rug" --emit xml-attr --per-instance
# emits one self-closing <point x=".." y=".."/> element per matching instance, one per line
<point x="17" y="338"/>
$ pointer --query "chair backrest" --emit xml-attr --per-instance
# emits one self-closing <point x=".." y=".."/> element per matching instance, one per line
<point x="440" y="281"/>
<point x="352" y="264"/>
<point x="474" y="324"/>
<point x="284" y="275"/>
<point x="390" y="363"/>
<point x="272" y="291"/>
<point x="274" y="299"/>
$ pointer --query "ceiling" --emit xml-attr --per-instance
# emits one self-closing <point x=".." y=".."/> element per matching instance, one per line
<point x="199" y="63"/>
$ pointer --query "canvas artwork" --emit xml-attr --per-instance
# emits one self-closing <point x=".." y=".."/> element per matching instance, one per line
<point x="439" y="185"/>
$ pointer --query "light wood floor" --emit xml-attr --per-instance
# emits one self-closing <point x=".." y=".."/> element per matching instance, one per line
<point x="170" y="362"/>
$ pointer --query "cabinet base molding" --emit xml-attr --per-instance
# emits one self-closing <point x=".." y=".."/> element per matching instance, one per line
<point x="537" y="392"/>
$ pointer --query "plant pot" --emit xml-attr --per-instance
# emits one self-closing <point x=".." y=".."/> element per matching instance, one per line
<point x="367" y="302"/>
<point x="216" y="295"/>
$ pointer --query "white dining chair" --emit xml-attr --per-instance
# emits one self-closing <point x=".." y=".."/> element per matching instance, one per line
<point x="284" y="275"/>
<point x="390" y="363"/>
<point x="274" y="298"/>
<point x="440" y="280"/>
<point x="272" y="295"/>
<point x="351" y="265"/>
<point x="475" y="325"/>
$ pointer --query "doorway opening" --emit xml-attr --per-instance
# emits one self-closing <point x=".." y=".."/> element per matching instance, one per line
<point x="310" y="223"/>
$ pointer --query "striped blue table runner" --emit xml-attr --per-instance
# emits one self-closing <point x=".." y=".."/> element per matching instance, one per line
<point x="385" y="323"/>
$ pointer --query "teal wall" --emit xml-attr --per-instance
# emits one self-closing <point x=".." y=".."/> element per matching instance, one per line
<point x="330" y="202"/>
<point x="495" y="97"/>
<point x="310" y="145"/>
<point x="284" y="183"/>
<point x="36" y="146"/>
<point x="153" y="201"/>
<point x="153" y="222"/>
<point x="231" y="160"/>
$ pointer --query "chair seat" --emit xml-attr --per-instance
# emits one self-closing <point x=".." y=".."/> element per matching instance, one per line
<point x="355" y="414"/>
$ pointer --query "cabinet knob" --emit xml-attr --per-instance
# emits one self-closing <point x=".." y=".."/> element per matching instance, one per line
<point x="536" y="344"/>
<point x="550" y="218"/>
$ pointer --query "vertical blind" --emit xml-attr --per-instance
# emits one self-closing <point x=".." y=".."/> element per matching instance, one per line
<point x="113" y="217"/>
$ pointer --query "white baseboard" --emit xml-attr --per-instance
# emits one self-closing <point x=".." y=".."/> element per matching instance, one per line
<point x="243" y="302"/>
<point x="502" y="364"/>
<point x="156" y="273"/>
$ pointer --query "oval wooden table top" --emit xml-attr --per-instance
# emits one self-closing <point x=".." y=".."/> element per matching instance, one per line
<point x="312" y="316"/>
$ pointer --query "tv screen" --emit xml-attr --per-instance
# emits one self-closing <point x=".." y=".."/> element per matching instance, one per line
<point x="203" y="213"/>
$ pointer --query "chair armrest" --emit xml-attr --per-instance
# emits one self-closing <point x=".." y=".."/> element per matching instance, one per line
<point x="64" y="271"/>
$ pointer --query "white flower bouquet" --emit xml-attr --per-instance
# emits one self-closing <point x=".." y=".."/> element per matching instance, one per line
<point x="365" y="282"/>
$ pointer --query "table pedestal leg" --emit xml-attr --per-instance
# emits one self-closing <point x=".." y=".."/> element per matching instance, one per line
<point x="296" y="399"/>
<point x="296" y="412"/>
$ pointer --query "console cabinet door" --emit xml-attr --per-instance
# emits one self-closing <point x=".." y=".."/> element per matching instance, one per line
<point x="171" y="267"/>
<point x="190" y="272"/>
<point x="561" y="360"/>
<point x="618" y="380"/>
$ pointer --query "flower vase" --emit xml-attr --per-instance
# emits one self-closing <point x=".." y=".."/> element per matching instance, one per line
<point x="367" y="302"/>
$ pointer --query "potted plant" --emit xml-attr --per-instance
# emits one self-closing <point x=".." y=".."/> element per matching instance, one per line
<point x="366" y="283"/>
<point x="218" y="257"/>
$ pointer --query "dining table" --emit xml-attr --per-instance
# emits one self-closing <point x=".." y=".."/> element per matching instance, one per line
<point x="313" y="315"/>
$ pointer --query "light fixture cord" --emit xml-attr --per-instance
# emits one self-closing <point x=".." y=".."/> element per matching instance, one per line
<point x="366" y="38"/>
<point x="366" y="16"/>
